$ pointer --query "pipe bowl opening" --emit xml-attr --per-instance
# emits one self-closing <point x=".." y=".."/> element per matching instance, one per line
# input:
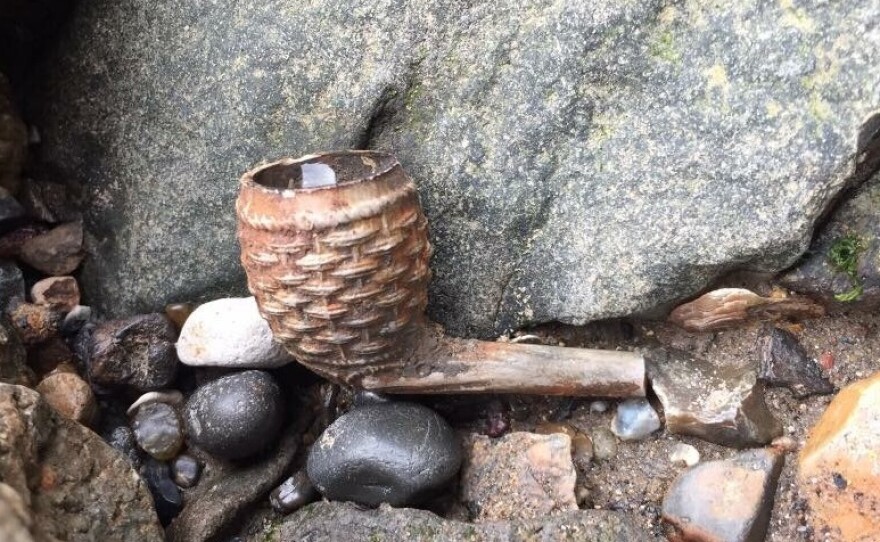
<point x="324" y="170"/>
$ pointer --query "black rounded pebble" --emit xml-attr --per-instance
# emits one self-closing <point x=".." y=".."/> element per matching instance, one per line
<point x="158" y="430"/>
<point x="235" y="416"/>
<point x="186" y="470"/>
<point x="122" y="439"/>
<point x="166" y="495"/>
<point x="396" y="453"/>
<point x="293" y="493"/>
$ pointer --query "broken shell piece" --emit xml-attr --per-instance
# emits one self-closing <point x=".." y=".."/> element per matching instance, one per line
<point x="729" y="307"/>
<point x="171" y="397"/>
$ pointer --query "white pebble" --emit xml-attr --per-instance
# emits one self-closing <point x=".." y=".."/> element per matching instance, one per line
<point x="598" y="406"/>
<point x="684" y="453"/>
<point x="635" y="419"/>
<point x="230" y="333"/>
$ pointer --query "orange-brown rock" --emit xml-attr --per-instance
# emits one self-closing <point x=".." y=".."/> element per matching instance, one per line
<point x="59" y="292"/>
<point x="70" y="396"/>
<point x="34" y="323"/>
<point x="729" y="307"/>
<point x="839" y="468"/>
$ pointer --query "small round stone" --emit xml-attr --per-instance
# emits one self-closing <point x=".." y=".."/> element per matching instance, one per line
<point x="635" y="419"/>
<point x="684" y="454"/>
<point x="235" y="416"/>
<point x="598" y="406"/>
<point x="158" y="431"/>
<point x="582" y="451"/>
<point x="178" y="313"/>
<point x="186" y="470"/>
<point x="294" y="493"/>
<point x="604" y="444"/>
<point x="396" y="453"/>
<point x="70" y="396"/>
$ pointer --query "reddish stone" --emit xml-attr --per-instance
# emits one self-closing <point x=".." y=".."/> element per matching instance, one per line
<point x="34" y="323"/>
<point x="60" y="292"/>
<point x="826" y="360"/>
<point x="70" y="396"/>
<point x="56" y="252"/>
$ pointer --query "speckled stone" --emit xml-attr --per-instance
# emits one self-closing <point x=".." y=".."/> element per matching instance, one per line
<point x="235" y="416"/>
<point x="158" y="430"/>
<point x="395" y="453"/>
<point x="185" y="469"/>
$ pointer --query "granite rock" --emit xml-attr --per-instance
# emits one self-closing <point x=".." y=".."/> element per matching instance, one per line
<point x="576" y="162"/>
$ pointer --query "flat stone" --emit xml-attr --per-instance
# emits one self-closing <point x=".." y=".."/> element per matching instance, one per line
<point x="729" y="307"/>
<point x="11" y="284"/>
<point x="597" y="162"/>
<point x="75" y="486"/>
<point x="230" y="333"/>
<point x="518" y="476"/>
<point x="785" y="363"/>
<point x="345" y="521"/>
<point x="635" y="419"/>
<point x="136" y="352"/>
<point x="70" y="396"/>
<point x="235" y="416"/>
<point x="59" y="292"/>
<point x="34" y="323"/>
<point x="13" y="357"/>
<point x="720" y="404"/>
<point x="158" y="430"/>
<point x="59" y="251"/>
<point x="725" y="501"/>
<point x="395" y="453"/>
<point x="839" y="468"/>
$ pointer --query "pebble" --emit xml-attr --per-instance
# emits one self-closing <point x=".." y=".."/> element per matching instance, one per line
<point x="727" y="500"/>
<point x="785" y="363"/>
<point x="11" y="285"/>
<point x="56" y="252"/>
<point x="598" y="407"/>
<point x="549" y="428"/>
<point x="70" y="396"/>
<point x="293" y="493"/>
<point x="839" y="467"/>
<point x="826" y="360"/>
<point x="34" y="323"/>
<point x="635" y="419"/>
<point x="122" y="439"/>
<point x="166" y="494"/>
<point x="75" y="320"/>
<point x="235" y="416"/>
<point x="230" y="333"/>
<point x="178" y="313"/>
<point x="158" y="430"/>
<point x="395" y="453"/>
<point x="582" y="451"/>
<point x="729" y="307"/>
<point x="186" y="470"/>
<point x="684" y="454"/>
<point x="518" y="476"/>
<point x="171" y="397"/>
<point x="716" y="403"/>
<point x="604" y="444"/>
<point x="497" y="420"/>
<point x="59" y="292"/>
<point x="367" y="397"/>
<point x="135" y="352"/>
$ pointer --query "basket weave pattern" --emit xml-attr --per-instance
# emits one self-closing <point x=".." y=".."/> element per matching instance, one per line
<point x="344" y="300"/>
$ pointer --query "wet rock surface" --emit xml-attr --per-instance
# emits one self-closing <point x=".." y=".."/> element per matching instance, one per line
<point x="230" y="333"/>
<point x="723" y="404"/>
<point x="158" y="430"/>
<point x="135" y="353"/>
<point x="235" y="416"/>
<point x="749" y="123"/>
<point x="395" y="453"/>
<point x="784" y="362"/>
<point x="338" y="521"/>
<point x="519" y="476"/>
<point x="839" y="468"/>
<point x="726" y="500"/>
<point x="77" y="488"/>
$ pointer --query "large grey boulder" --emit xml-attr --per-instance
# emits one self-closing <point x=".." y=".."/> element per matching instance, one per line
<point x="576" y="161"/>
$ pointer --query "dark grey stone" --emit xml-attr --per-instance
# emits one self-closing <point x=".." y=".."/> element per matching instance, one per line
<point x="158" y="430"/>
<point x="575" y="161"/>
<point x="235" y="416"/>
<point x="396" y="453"/>
<point x="11" y="284"/>
<point x="122" y="439"/>
<point x="136" y="352"/>
<point x="166" y="495"/>
<point x="856" y="220"/>
<point x="186" y="470"/>
<point x="785" y="363"/>
<point x="332" y="521"/>
<point x="10" y="211"/>
<point x="293" y="493"/>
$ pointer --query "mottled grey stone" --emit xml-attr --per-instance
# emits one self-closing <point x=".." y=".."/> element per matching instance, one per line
<point x="330" y="521"/>
<point x="575" y="161"/>
<point x="11" y="284"/>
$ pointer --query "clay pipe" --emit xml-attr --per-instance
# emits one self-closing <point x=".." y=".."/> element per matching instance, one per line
<point x="336" y="251"/>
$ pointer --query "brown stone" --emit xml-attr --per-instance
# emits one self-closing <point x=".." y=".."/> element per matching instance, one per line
<point x="178" y="313"/>
<point x="70" y="396"/>
<point x="549" y="428"/>
<point x="74" y="485"/>
<point x="724" y="501"/>
<point x="729" y="307"/>
<point x="59" y="251"/>
<point x="839" y="468"/>
<point x="59" y="292"/>
<point x="718" y="403"/>
<point x="34" y="323"/>
<point x="11" y="243"/>
<point x="518" y="476"/>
